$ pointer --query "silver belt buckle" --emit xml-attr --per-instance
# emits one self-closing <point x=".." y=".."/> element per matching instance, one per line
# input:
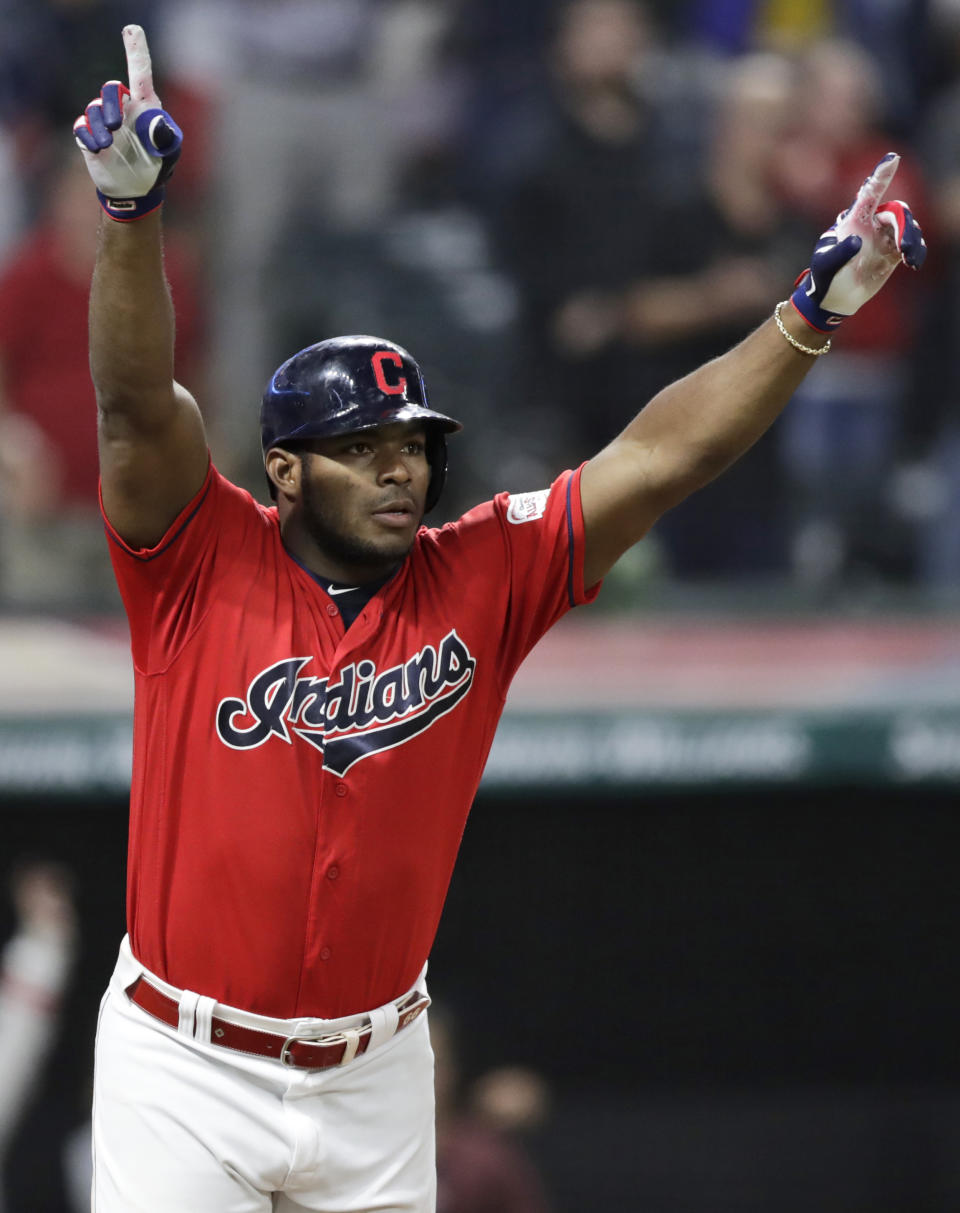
<point x="285" y="1047"/>
<point x="350" y="1038"/>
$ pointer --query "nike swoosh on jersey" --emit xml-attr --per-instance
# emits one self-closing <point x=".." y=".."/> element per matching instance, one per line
<point x="347" y="589"/>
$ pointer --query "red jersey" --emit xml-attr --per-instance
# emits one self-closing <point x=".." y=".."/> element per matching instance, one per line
<point x="300" y="791"/>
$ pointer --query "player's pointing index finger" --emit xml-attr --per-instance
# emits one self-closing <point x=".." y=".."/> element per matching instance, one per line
<point x="139" y="67"/>
<point x="876" y="185"/>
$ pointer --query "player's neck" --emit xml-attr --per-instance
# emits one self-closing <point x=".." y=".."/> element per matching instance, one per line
<point x="330" y="567"/>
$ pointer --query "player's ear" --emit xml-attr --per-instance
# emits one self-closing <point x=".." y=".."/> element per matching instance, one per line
<point x="283" y="471"/>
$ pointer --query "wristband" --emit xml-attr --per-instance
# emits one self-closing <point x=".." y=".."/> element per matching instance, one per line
<point x="126" y="210"/>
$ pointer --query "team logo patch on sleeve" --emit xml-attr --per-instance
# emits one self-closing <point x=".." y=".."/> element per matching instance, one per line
<point x="527" y="507"/>
<point x="358" y="712"/>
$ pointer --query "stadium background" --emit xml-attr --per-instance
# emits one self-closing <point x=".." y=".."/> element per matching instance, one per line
<point x="707" y="892"/>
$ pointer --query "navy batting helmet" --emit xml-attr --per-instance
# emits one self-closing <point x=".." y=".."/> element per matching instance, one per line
<point x="348" y="384"/>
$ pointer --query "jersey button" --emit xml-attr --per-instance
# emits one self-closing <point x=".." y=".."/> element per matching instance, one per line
<point x="333" y="872"/>
<point x="331" y="609"/>
<point x="324" y="953"/>
<point x="340" y="789"/>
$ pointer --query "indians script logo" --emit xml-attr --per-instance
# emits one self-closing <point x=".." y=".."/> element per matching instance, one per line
<point x="355" y="713"/>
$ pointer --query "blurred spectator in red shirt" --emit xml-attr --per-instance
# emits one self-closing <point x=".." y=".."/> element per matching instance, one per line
<point x="52" y="546"/>
<point x="931" y="485"/>
<point x="836" y="143"/>
<point x="840" y="435"/>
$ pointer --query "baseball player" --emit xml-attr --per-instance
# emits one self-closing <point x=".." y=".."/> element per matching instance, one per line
<point x="317" y="687"/>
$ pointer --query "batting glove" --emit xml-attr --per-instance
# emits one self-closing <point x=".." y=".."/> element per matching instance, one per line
<point x="129" y="142"/>
<point x="855" y="257"/>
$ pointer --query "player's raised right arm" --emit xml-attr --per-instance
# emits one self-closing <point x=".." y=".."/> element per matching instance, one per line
<point x="153" y="451"/>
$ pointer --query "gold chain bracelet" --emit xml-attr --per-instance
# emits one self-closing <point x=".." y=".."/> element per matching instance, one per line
<point x="804" y="349"/>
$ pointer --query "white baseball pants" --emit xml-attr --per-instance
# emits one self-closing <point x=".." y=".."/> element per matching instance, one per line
<point x="184" y="1126"/>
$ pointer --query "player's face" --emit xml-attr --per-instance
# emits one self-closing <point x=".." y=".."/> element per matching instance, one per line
<point x="362" y="495"/>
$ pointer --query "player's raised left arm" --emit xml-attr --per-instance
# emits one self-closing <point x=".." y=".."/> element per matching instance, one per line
<point x="695" y="428"/>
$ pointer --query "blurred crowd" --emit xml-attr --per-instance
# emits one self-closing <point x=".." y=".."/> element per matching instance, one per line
<point x="559" y="206"/>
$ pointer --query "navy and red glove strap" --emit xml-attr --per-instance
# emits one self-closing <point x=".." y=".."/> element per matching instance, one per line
<point x="829" y="256"/>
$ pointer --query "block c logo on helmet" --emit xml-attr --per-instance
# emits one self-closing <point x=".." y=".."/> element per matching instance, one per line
<point x="377" y="361"/>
